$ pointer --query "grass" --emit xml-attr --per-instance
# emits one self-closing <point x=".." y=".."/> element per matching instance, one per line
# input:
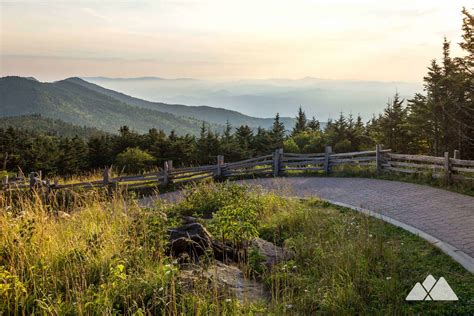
<point x="101" y="255"/>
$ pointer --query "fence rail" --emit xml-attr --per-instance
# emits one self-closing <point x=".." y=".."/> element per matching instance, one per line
<point x="276" y="164"/>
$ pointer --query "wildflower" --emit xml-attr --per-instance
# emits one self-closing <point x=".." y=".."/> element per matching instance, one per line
<point x="370" y="235"/>
<point x="228" y="300"/>
<point x="160" y="289"/>
<point x="288" y="306"/>
<point x="388" y="278"/>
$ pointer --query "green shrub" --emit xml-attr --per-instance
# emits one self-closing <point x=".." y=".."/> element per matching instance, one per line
<point x="204" y="199"/>
<point x="134" y="160"/>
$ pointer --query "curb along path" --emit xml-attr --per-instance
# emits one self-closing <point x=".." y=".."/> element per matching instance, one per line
<point x="444" y="218"/>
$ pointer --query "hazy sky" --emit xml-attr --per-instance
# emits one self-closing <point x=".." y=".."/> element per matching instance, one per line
<point x="220" y="39"/>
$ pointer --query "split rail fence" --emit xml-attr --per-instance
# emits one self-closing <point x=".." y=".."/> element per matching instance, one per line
<point x="276" y="164"/>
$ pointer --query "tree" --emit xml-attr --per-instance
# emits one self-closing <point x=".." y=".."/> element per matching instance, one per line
<point x="392" y="126"/>
<point x="277" y="132"/>
<point x="134" y="160"/>
<point x="314" y="125"/>
<point x="300" y="125"/>
<point x="245" y="138"/>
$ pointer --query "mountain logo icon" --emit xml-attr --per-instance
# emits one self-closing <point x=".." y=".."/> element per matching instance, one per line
<point x="432" y="290"/>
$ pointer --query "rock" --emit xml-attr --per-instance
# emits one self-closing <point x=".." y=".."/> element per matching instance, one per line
<point x="228" y="279"/>
<point x="272" y="253"/>
<point x="192" y="239"/>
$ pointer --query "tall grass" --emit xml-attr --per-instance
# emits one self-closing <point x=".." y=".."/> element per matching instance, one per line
<point x="86" y="253"/>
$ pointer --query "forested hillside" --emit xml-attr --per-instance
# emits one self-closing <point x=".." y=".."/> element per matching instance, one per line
<point x="79" y="105"/>
<point x="43" y="125"/>
<point x="205" y="113"/>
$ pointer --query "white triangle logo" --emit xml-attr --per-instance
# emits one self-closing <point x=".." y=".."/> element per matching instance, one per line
<point x="432" y="290"/>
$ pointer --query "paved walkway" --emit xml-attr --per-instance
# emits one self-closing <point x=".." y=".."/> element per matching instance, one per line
<point x="445" y="215"/>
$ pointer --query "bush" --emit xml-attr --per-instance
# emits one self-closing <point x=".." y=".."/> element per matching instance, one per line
<point x="134" y="160"/>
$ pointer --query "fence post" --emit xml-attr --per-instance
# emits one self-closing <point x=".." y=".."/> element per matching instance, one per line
<point x="166" y="177"/>
<point x="220" y="163"/>
<point x="32" y="180"/>
<point x="48" y="185"/>
<point x="106" y="180"/>
<point x="276" y="161"/>
<point x="327" y="153"/>
<point x="447" y="168"/>
<point x="457" y="154"/>
<point x="5" y="182"/>
<point x="378" y="158"/>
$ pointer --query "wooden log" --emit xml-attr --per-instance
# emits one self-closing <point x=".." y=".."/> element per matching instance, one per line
<point x="437" y="160"/>
<point x="193" y="179"/>
<point x="351" y="160"/>
<point x="402" y="170"/>
<point x="302" y="163"/>
<point x="415" y="165"/>
<point x="190" y="175"/>
<point x="355" y="153"/>
<point x="460" y="162"/>
<point x="139" y="179"/>
<point x="249" y="171"/>
<point x="193" y="169"/>
<point x="142" y="183"/>
<point x="304" y="169"/>
<point x="249" y="164"/>
<point x="460" y="177"/>
<point x="249" y="160"/>
<point x="461" y="169"/>
<point x="239" y="174"/>
<point x="154" y="173"/>
<point x="291" y="155"/>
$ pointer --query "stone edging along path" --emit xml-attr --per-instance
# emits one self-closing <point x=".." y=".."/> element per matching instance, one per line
<point x="443" y="218"/>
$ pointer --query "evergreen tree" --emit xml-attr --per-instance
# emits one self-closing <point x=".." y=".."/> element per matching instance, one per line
<point x="245" y="138"/>
<point x="314" y="125"/>
<point x="393" y="126"/>
<point x="277" y="133"/>
<point x="301" y="121"/>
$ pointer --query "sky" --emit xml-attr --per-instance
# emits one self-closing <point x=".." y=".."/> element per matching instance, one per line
<point x="220" y="39"/>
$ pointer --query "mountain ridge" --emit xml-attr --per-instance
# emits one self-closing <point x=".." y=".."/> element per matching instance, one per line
<point x="82" y="106"/>
<point x="210" y="114"/>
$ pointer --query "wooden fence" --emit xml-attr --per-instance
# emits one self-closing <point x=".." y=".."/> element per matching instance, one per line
<point x="276" y="164"/>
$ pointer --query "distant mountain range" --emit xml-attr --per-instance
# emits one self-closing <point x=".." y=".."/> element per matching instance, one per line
<point x="321" y="98"/>
<point x="209" y="114"/>
<point x="82" y="103"/>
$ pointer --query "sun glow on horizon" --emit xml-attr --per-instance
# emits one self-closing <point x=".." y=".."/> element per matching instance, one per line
<point x="211" y="39"/>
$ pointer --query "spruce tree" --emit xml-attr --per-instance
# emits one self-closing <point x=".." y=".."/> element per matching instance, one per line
<point x="300" y="125"/>
<point x="277" y="133"/>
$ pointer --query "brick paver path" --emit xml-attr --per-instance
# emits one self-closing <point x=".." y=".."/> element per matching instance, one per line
<point x="445" y="215"/>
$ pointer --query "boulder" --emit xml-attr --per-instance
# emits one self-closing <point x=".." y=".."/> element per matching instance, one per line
<point x="192" y="239"/>
<point x="271" y="253"/>
<point x="228" y="279"/>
